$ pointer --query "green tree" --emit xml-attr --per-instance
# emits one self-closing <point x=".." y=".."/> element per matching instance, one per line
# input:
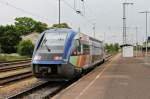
<point x="62" y="25"/>
<point x="9" y="38"/>
<point x="111" y="48"/>
<point x="27" y="25"/>
<point x="40" y="27"/>
<point x="116" y="47"/>
<point x="2" y="29"/>
<point x="25" y="48"/>
<point x="10" y="35"/>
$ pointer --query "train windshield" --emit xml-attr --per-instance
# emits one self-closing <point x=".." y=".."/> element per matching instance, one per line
<point x="53" y="42"/>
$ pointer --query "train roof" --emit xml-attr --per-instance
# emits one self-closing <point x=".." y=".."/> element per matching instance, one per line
<point x="71" y="30"/>
<point x="60" y="30"/>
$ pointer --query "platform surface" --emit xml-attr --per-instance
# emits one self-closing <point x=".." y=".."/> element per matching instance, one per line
<point x="121" y="78"/>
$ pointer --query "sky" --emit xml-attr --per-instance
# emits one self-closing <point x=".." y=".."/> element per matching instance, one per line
<point x="106" y="14"/>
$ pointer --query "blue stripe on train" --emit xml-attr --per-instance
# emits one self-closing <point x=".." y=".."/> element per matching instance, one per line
<point x="48" y="62"/>
<point x="69" y="41"/>
<point x="37" y="44"/>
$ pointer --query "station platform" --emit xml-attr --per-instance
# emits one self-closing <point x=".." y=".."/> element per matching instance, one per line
<point x="120" y="78"/>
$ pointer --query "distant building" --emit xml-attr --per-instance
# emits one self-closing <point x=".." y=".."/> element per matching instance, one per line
<point x="127" y="50"/>
<point x="148" y="45"/>
<point x="32" y="36"/>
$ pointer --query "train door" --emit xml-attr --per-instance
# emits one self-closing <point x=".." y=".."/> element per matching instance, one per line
<point x="75" y="53"/>
<point x="91" y="50"/>
<point x="85" y="53"/>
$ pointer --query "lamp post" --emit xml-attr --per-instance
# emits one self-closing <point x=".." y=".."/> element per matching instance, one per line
<point x="59" y="13"/>
<point x="94" y="29"/>
<point x="104" y="37"/>
<point x="146" y="13"/>
<point x="136" y="28"/>
<point x="124" y="21"/>
<point x="75" y="4"/>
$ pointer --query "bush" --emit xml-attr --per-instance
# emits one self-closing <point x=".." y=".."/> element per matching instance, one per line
<point x="25" y="48"/>
<point x="112" y="48"/>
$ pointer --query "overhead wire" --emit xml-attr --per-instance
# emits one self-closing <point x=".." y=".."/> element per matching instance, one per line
<point x="85" y="18"/>
<point x="22" y="10"/>
<point x="33" y="14"/>
<point x="91" y="12"/>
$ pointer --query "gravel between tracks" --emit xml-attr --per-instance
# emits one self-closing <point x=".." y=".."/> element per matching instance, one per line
<point x="14" y="72"/>
<point x="11" y="89"/>
<point x="45" y="91"/>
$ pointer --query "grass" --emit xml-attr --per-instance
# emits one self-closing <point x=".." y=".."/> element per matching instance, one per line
<point x="11" y="57"/>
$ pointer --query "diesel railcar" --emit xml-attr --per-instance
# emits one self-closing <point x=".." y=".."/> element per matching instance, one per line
<point x="62" y="54"/>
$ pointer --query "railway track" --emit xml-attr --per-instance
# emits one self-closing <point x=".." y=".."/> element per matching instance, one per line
<point x="8" y="66"/>
<point x="45" y="89"/>
<point x="108" y="56"/>
<point x="42" y="90"/>
<point x="12" y="78"/>
<point x="12" y="71"/>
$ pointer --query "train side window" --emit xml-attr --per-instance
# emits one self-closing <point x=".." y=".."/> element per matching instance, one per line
<point x="86" y="49"/>
<point x="79" y="46"/>
<point x="76" y="48"/>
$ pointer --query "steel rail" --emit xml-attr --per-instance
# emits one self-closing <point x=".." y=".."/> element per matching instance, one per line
<point x="46" y="84"/>
<point x="13" y="78"/>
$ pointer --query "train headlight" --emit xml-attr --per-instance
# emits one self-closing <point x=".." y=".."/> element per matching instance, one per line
<point x="37" y="57"/>
<point x="57" y="58"/>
